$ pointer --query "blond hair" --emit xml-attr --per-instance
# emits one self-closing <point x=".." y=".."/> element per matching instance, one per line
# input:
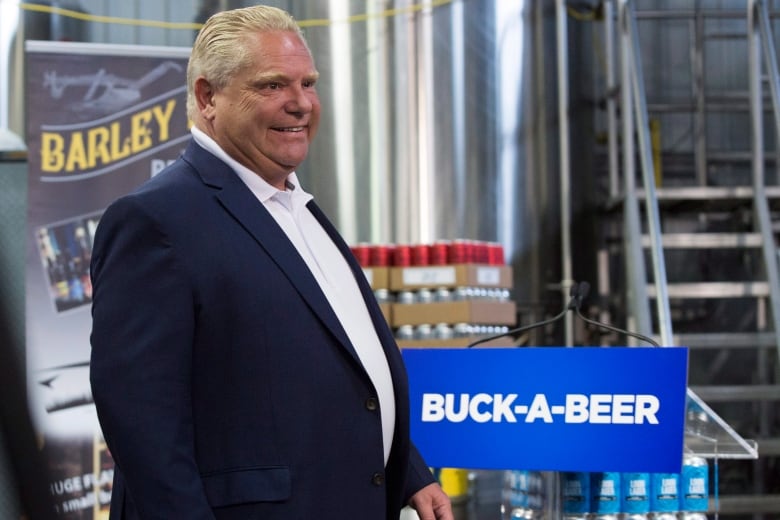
<point x="221" y="48"/>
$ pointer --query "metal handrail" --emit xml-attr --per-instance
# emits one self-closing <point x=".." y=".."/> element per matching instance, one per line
<point x="760" y="37"/>
<point x="634" y="97"/>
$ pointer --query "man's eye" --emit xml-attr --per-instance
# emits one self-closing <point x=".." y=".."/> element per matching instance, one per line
<point x="274" y="86"/>
<point x="309" y="84"/>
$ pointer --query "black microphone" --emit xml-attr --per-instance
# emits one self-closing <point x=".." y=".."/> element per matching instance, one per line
<point x="575" y="300"/>
<point x="582" y="291"/>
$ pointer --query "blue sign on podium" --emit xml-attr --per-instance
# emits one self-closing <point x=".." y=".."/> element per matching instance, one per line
<point x="549" y="408"/>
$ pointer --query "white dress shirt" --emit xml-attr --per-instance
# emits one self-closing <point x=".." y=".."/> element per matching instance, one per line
<point x="329" y="268"/>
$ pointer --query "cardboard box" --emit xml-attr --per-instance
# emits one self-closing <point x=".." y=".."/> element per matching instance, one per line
<point x="378" y="277"/>
<point x="456" y="275"/>
<point x="469" y="311"/>
<point x="387" y="312"/>
<point x="505" y="342"/>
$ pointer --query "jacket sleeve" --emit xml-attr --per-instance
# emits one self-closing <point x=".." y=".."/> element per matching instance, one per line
<point x="419" y="476"/>
<point x="142" y="333"/>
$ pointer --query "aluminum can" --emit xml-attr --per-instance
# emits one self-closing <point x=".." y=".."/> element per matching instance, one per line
<point x="443" y="331"/>
<point x="517" y="492"/>
<point x="438" y="253"/>
<point x="462" y="330"/>
<point x="462" y="294"/>
<point x="664" y="494"/>
<point x="495" y="253"/>
<point x="382" y="295"/>
<point x="362" y="254"/>
<point x="402" y="255"/>
<point x="424" y="296"/>
<point x="575" y="494"/>
<point x="605" y="493"/>
<point x="406" y="297"/>
<point x="457" y="252"/>
<point x="421" y="254"/>
<point x="635" y="494"/>
<point x="405" y="332"/>
<point x="379" y="255"/>
<point x="481" y="252"/>
<point x="694" y="484"/>
<point x="423" y="332"/>
<point x="442" y="294"/>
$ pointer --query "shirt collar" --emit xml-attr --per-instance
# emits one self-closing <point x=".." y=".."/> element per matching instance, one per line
<point x="264" y="192"/>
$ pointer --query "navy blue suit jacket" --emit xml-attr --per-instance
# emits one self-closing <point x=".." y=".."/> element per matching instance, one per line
<point x="224" y="383"/>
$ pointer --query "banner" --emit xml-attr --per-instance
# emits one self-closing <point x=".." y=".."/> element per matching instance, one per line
<point x="549" y="409"/>
<point x="101" y="119"/>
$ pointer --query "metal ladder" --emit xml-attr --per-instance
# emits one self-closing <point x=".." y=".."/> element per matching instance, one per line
<point x="699" y="224"/>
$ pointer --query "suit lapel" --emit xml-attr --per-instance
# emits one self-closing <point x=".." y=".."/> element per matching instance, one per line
<point x="239" y="201"/>
<point x="380" y="324"/>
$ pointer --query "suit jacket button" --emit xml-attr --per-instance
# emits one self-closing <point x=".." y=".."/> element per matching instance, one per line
<point x="377" y="479"/>
<point x="372" y="404"/>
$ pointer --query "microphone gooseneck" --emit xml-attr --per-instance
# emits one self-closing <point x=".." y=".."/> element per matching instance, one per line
<point x="585" y="287"/>
<point x="530" y="326"/>
<point x="578" y="292"/>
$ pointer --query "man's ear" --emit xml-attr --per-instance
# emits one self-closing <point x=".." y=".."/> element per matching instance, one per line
<point x="204" y="98"/>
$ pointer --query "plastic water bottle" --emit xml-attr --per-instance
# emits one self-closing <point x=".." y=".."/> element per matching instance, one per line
<point x="605" y="495"/>
<point x="694" y="488"/>
<point x="575" y="495"/>
<point x="635" y="496"/>
<point x="665" y="495"/>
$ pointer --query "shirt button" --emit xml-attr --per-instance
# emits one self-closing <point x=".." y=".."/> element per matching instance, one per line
<point x="372" y="404"/>
<point x="377" y="479"/>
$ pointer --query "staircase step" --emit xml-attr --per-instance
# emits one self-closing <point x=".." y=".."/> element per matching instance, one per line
<point x="709" y="193"/>
<point x="768" y="447"/>
<point x="713" y="290"/>
<point x="745" y="504"/>
<point x="737" y="393"/>
<point x="699" y="198"/>
<point x="706" y="240"/>
<point x="726" y="340"/>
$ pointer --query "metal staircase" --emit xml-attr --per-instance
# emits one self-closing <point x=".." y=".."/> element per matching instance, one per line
<point x="700" y="249"/>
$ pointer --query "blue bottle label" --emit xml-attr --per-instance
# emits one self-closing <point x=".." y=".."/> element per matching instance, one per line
<point x="636" y="492"/>
<point x="694" y="486"/>
<point x="665" y="492"/>
<point x="605" y="492"/>
<point x="575" y="492"/>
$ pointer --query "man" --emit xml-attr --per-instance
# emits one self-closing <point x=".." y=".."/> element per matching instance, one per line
<point x="240" y="367"/>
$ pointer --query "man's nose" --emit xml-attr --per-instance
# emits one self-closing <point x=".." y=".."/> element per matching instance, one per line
<point x="301" y="100"/>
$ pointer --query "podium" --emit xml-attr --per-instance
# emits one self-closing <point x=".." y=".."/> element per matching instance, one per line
<point x="562" y="409"/>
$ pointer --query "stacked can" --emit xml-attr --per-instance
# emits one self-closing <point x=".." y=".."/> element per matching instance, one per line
<point x="402" y="255"/>
<point x="362" y="254"/>
<point x="635" y="496"/>
<point x="575" y="494"/>
<point x="373" y="255"/>
<point x="441" y="252"/>
<point x="694" y="488"/>
<point x="537" y="496"/>
<point x="665" y="495"/>
<point x="515" y="495"/>
<point x="449" y="252"/>
<point x="605" y="495"/>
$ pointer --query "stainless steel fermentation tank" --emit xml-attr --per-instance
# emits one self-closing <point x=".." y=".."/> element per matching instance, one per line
<point x="435" y="125"/>
<point x="438" y="120"/>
